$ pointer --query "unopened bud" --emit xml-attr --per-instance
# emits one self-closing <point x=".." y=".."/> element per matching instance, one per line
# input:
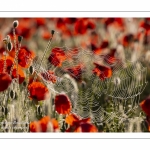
<point x="9" y="46"/>
<point x="15" y="24"/>
<point x="52" y="32"/>
<point x="12" y="94"/>
<point x="20" y="38"/>
<point x="31" y="69"/>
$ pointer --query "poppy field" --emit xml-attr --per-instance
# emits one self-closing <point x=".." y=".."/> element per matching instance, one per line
<point x="74" y="75"/>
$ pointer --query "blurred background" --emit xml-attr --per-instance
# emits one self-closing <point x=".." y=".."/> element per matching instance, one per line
<point x="129" y="36"/>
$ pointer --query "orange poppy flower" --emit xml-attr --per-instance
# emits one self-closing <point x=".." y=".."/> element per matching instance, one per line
<point x="55" y="124"/>
<point x="25" y="57"/>
<point x="34" y="126"/>
<point x="145" y="105"/>
<point x="79" y="125"/>
<point x="62" y="104"/>
<point x="46" y="35"/>
<point x="38" y="91"/>
<point x="71" y="118"/>
<point x="20" y="73"/>
<point x="57" y="57"/>
<point x="5" y="81"/>
<point x="49" y="76"/>
<point x="43" y="125"/>
<point x="102" y="72"/>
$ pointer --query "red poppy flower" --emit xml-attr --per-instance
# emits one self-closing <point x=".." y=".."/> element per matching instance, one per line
<point x="145" y="105"/>
<point x="86" y="127"/>
<point x="40" y="21"/>
<point x="102" y="72"/>
<point x="62" y="104"/>
<point x="148" y="122"/>
<point x="76" y="72"/>
<point x="57" y="57"/>
<point x="97" y="50"/>
<point x="2" y="50"/>
<point x="82" y="25"/>
<point x="38" y="91"/>
<point x="70" y="20"/>
<point x="9" y="62"/>
<point x="25" y="57"/>
<point x="110" y="58"/>
<point x="127" y="40"/>
<point x="49" y="76"/>
<point x="5" y="81"/>
<point x="117" y="22"/>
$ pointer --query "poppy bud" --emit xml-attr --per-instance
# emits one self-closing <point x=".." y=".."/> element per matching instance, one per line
<point x="31" y="69"/>
<point x="12" y="94"/>
<point x="25" y="83"/>
<point x="52" y="32"/>
<point x="26" y="124"/>
<point x="20" y="38"/>
<point x="4" y="110"/>
<point x="38" y="109"/>
<point x="9" y="46"/>
<point x="15" y="24"/>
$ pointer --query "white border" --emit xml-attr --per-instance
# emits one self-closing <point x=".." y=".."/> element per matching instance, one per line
<point x="76" y="135"/>
<point x="75" y="5"/>
<point x="96" y="14"/>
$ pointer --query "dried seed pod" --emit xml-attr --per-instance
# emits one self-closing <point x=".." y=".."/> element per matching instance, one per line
<point x="15" y="24"/>
<point x="52" y="32"/>
<point x="9" y="46"/>
<point x="39" y="109"/>
<point x="20" y="38"/>
<point x="31" y="69"/>
<point x="4" y="110"/>
<point x="25" y="83"/>
<point x="12" y="94"/>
